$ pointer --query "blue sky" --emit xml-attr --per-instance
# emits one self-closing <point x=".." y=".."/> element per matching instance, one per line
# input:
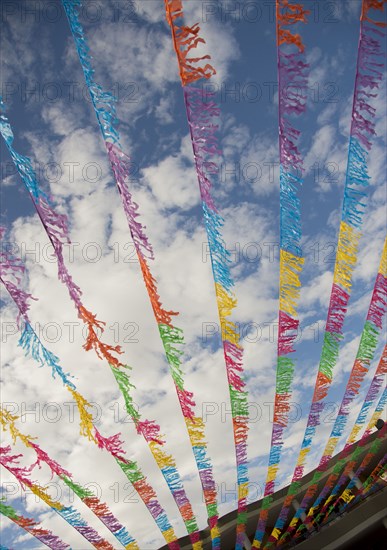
<point x="133" y="57"/>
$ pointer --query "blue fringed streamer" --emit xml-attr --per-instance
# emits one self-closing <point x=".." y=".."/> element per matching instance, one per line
<point x="73" y="518"/>
<point x="202" y="460"/>
<point x="22" y="163"/>
<point x="242" y="473"/>
<point x="123" y="536"/>
<point x="357" y="175"/>
<point x="220" y="256"/>
<point x="275" y="454"/>
<point x="172" y="478"/>
<point x="163" y="523"/>
<point x="103" y="102"/>
<point x="339" y="425"/>
<point x="290" y="215"/>
<point x="30" y="343"/>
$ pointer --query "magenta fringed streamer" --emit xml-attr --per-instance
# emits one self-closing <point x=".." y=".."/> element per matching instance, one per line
<point x="378" y="303"/>
<point x="285" y="341"/>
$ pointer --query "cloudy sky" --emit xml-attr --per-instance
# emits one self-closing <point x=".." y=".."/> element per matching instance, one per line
<point x="55" y="125"/>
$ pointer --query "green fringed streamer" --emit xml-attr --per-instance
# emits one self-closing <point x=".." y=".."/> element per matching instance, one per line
<point x="131" y="471"/>
<point x="8" y="511"/>
<point x="368" y="342"/>
<point x="330" y="353"/>
<point x="285" y="370"/>
<point x="338" y="467"/>
<point x="212" y="509"/>
<point x="125" y="385"/>
<point x="80" y="491"/>
<point x="242" y="518"/>
<point x="239" y="403"/>
<point x="171" y="336"/>
<point x="295" y="487"/>
<point x="266" y="502"/>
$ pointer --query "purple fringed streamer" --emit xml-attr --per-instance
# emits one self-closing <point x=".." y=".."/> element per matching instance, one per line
<point x="56" y="226"/>
<point x="200" y="111"/>
<point x="120" y="164"/>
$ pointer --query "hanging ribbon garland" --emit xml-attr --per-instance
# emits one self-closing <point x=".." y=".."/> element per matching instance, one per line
<point x="30" y="342"/>
<point x="365" y="354"/>
<point x="33" y="528"/>
<point x="202" y="112"/>
<point x="348" y="463"/>
<point x="68" y="513"/>
<point x="100" y="509"/>
<point x="368" y="77"/>
<point x="292" y="75"/>
<point x="171" y="336"/>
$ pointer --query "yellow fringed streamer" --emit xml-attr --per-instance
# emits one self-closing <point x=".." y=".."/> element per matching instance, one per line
<point x="163" y="459"/>
<point x="195" y="429"/>
<point x="86" y="419"/>
<point x="226" y="303"/>
<point x="169" y="535"/>
<point x="331" y="445"/>
<point x="132" y="546"/>
<point x="383" y="261"/>
<point x="294" y="522"/>
<point x="312" y="511"/>
<point x="8" y="420"/>
<point x="374" y="418"/>
<point x="347" y="496"/>
<point x="276" y="533"/>
<point x="243" y="490"/>
<point x="353" y="435"/>
<point x="301" y="457"/>
<point x="346" y="255"/>
<point x="42" y="494"/>
<point x="197" y="545"/>
<point x="215" y="533"/>
<point x="271" y="473"/>
<point x="256" y="544"/>
<point x="229" y="332"/>
<point x="328" y="500"/>
<point x="290" y="267"/>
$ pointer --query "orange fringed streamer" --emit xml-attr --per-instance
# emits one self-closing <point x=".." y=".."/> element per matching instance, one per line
<point x="184" y="40"/>
<point x="372" y="4"/>
<point x="282" y="408"/>
<point x="162" y="315"/>
<point x="295" y="14"/>
<point x="92" y="340"/>
<point x="322" y="385"/>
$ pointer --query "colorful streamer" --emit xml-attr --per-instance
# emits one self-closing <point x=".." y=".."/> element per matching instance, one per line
<point x="68" y="513"/>
<point x="202" y="112"/>
<point x="368" y="77"/>
<point x="172" y="337"/>
<point x="365" y="354"/>
<point x="292" y="73"/>
<point x="100" y="509"/>
<point x="29" y="341"/>
<point x="33" y="528"/>
<point x="57" y="231"/>
<point x="348" y="463"/>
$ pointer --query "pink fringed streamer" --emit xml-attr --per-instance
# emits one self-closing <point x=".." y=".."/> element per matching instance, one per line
<point x="379" y="301"/>
<point x="337" y="309"/>
<point x="285" y="341"/>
